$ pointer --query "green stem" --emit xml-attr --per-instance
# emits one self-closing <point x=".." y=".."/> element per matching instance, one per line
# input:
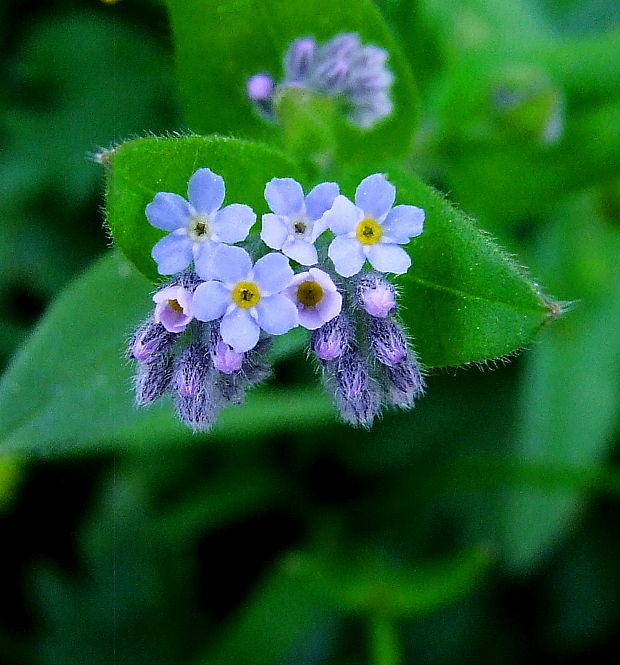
<point x="384" y="641"/>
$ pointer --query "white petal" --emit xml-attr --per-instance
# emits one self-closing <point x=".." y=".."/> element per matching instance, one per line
<point x="210" y="301"/>
<point x="233" y="223"/>
<point x="301" y="251"/>
<point x="404" y="222"/>
<point x="206" y="191"/>
<point x="285" y="197"/>
<point x="239" y="330"/>
<point x="272" y="273"/>
<point x="386" y="257"/>
<point x="203" y="261"/>
<point x="168" y="211"/>
<point x="347" y="255"/>
<point x="276" y="314"/>
<point x="274" y="231"/>
<point x="172" y="253"/>
<point x="375" y="196"/>
<point x="230" y="264"/>
<point x="344" y="216"/>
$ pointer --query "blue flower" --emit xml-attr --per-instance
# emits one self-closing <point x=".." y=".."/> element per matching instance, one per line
<point x="247" y="298"/>
<point x="372" y="229"/>
<point x="297" y="221"/>
<point x="196" y="227"/>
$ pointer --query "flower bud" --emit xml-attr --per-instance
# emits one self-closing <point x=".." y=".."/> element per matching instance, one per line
<point x="152" y="379"/>
<point x="259" y="88"/>
<point x="387" y="340"/>
<point x="332" y="339"/>
<point x="356" y="394"/>
<point x="149" y="342"/>
<point x="226" y="359"/>
<point x="375" y="295"/>
<point x="404" y="382"/>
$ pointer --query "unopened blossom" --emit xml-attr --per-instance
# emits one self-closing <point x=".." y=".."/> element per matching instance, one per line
<point x="247" y="298"/>
<point x="196" y="226"/>
<point x="260" y="87"/>
<point x="371" y="228"/>
<point x="150" y="341"/>
<point x="296" y="221"/>
<point x="173" y="308"/>
<point x="316" y="297"/>
<point x="226" y="359"/>
<point x="375" y="295"/>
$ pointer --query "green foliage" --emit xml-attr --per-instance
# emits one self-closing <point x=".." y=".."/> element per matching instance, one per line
<point x="464" y="299"/>
<point x="244" y="38"/>
<point x="138" y="169"/>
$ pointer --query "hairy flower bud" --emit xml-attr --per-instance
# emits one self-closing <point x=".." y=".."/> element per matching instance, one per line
<point x="197" y="399"/>
<point x="259" y="88"/>
<point x="150" y="341"/>
<point x="404" y="382"/>
<point x="332" y="339"/>
<point x="375" y="295"/>
<point x="152" y="379"/>
<point x="387" y="340"/>
<point x="356" y="394"/>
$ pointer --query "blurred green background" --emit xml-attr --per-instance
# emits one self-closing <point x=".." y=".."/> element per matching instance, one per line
<point x="481" y="527"/>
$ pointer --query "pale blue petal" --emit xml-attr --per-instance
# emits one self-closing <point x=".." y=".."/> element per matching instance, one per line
<point x="375" y="196"/>
<point x="230" y="264"/>
<point x="344" y="216"/>
<point x="321" y="198"/>
<point x="275" y="230"/>
<point x="206" y="191"/>
<point x="285" y="197"/>
<point x="168" y="211"/>
<point x="404" y="222"/>
<point x="301" y="251"/>
<point x="210" y="301"/>
<point x="272" y="273"/>
<point x="203" y="261"/>
<point x="232" y="223"/>
<point x="172" y="253"/>
<point x="239" y="330"/>
<point x="276" y="314"/>
<point x="347" y="255"/>
<point x="385" y="257"/>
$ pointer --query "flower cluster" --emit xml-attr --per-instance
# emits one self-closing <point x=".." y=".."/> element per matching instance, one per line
<point x="342" y="67"/>
<point x="207" y="337"/>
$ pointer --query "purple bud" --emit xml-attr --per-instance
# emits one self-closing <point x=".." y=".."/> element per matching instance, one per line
<point x="260" y="87"/>
<point x="375" y="295"/>
<point x="152" y="379"/>
<point x="356" y="394"/>
<point x="404" y="382"/>
<point x="387" y="340"/>
<point x="332" y="339"/>
<point x="226" y="359"/>
<point x="150" y="341"/>
<point x="299" y="59"/>
<point x="197" y="399"/>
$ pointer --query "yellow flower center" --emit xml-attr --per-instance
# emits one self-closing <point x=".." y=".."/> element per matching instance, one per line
<point x="174" y="304"/>
<point x="199" y="228"/>
<point x="309" y="293"/>
<point x="368" y="231"/>
<point x="246" y="294"/>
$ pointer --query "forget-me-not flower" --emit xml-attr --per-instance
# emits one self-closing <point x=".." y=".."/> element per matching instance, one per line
<point x="316" y="297"/>
<point x="245" y="297"/>
<point x="296" y="222"/>
<point x="196" y="226"/>
<point x="372" y="229"/>
<point x="173" y="308"/>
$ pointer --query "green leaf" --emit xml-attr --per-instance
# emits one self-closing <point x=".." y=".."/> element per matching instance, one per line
<point x="464" y="300"/>
<point x="366" y="584"/>
<point x="68" y="391"/>
<point x="570" y="395"/>
<point x="138" y="169"/>
<point x="238" y="39"/>
<point x="276" y="624"/>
